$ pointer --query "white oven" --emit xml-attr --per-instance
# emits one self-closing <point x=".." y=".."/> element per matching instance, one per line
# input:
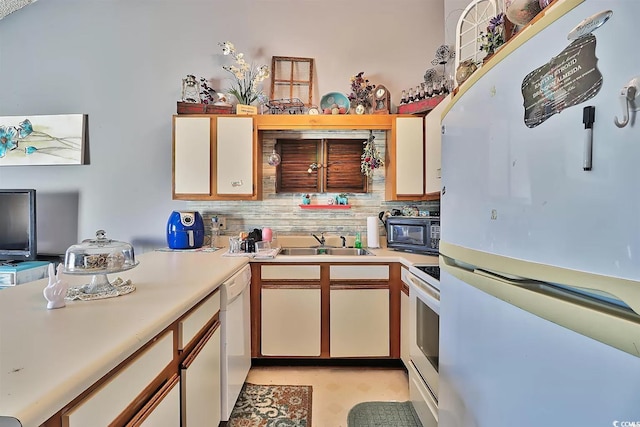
<point x="424" y="327"/>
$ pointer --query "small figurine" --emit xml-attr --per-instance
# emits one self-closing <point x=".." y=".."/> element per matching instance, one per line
<point x="190" y="89"/>
<point x="306" y="200"/>
<point x="56" y="290"/>
<point x="341" y="199"/>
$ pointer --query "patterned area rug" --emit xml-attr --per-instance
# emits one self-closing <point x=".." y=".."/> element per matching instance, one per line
<point x="383" y="414"/>
<point x="272" y="406"/>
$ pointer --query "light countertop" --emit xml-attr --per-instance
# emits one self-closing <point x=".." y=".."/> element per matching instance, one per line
<point x="48" y="357"/>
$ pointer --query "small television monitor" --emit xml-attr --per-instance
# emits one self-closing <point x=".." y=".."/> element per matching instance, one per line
<point x="18" y="225"/>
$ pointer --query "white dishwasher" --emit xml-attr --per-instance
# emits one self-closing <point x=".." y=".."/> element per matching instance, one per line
<point x="235" y="345"/>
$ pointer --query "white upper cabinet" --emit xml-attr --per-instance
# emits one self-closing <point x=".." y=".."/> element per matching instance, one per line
<point x="215" y="158"/>
<point x="192" y="155"/>
<point x="409" y="156"/>
<point x="433" y="156"/>
<point x="234" y="155"/>
<point x="413" y="170"/>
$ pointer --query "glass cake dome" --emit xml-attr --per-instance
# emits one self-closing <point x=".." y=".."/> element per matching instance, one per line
<point x="99" y="257"/>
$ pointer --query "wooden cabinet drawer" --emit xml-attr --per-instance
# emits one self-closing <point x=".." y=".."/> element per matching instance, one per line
<point x="103" y="405"/>
<point x="290" y="272"/>
<point x="364" y="272"/>
<point x="197" y="319"/>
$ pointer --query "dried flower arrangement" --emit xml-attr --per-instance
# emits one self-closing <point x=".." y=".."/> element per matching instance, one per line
<point x="371" y="158"/>
<point x="361" y="91"/>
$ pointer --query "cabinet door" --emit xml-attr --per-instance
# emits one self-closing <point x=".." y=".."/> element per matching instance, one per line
<point x="433" y="141"/>
<point x="163" y="410"/>
<point x="409" y="158"/>
<point x="290" y="322"/>
<point x="404" y="328"/>
<point x="359" y="324"/>
<point x="200" y="378"/>
<point x="191" y="156"/>
<point x="103" y="405"/>
<point x="234" y="140"/>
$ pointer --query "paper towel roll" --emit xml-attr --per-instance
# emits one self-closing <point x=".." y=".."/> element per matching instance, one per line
<point x="373" y="236"/>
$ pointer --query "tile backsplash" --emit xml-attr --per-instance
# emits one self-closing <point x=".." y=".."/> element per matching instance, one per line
<point x="281" y="211"/>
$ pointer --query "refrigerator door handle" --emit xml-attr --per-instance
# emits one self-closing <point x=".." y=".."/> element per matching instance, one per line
<point x="613" y="326"/>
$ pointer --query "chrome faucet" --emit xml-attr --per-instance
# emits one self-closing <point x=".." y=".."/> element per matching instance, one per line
<point x="320" y="240"/>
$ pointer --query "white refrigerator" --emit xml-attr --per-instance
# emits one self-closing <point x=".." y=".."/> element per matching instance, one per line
<point x="540" y="237"/>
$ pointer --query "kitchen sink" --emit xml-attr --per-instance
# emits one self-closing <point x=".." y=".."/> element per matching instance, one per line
<point x="324" y="251"/>
<point x="348" y="251"/>
<point x="300" y="251"/>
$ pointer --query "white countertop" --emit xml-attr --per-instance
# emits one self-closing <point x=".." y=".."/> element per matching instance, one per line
<point x="48" y="357"/>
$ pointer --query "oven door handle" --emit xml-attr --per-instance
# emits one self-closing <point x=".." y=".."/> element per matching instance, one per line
<point x="425" y="290"/>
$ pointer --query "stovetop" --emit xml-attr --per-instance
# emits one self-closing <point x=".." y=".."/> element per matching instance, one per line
<point x="431" y="270"/>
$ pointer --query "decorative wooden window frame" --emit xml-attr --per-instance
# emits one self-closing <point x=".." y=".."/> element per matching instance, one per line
<point x="474" y="19"/>
<point x="287" y="78"/>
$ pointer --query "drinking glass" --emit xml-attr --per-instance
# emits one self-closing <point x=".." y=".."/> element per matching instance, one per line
<point x="263" y="247"/>
<point x="234" y="245"/>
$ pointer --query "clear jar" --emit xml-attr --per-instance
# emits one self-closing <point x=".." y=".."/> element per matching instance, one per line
<point x="215" y="230"/>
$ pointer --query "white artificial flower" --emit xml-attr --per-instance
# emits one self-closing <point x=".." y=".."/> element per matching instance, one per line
<point x="227" y="48"/>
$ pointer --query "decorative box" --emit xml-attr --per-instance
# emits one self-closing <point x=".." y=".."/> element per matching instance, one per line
<point x="23" y="272"/>
<point x="199" y="108"/>
<point x="421" y="106"/>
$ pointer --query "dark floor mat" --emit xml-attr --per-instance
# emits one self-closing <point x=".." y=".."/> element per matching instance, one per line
<point x="383" y="414"/>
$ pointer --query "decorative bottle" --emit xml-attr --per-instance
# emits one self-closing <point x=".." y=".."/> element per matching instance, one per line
<point x="358" y="242"/>
<point x="403" y="98"/>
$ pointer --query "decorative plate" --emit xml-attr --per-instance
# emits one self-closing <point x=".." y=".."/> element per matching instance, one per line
<point x="337" y="98"/>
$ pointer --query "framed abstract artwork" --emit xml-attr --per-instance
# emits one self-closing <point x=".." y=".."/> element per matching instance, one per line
<point x="42" y="140"/>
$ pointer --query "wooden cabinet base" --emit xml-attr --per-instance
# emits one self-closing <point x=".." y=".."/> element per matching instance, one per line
<point x="325" y="311"/>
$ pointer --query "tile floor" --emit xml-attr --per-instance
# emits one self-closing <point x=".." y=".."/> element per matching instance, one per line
<point x="337" y="389"/>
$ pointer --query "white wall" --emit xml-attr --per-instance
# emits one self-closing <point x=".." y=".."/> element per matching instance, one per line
<point x="452" y="11"/>
<point x="122" y="61"/>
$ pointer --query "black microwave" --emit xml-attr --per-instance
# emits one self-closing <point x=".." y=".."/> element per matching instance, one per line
<point x="420" y="234"/>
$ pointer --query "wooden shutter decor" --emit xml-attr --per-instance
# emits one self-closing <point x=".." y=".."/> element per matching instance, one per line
<point x="343" y="173"/>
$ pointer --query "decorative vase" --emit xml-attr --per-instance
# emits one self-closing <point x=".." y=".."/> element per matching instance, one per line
<point x="360" y="109"/>
<point x="464" y="71"/>
<point x="520" y="12"/>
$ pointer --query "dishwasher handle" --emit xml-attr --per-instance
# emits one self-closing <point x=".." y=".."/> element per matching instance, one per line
<point x="236" y="285"/>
